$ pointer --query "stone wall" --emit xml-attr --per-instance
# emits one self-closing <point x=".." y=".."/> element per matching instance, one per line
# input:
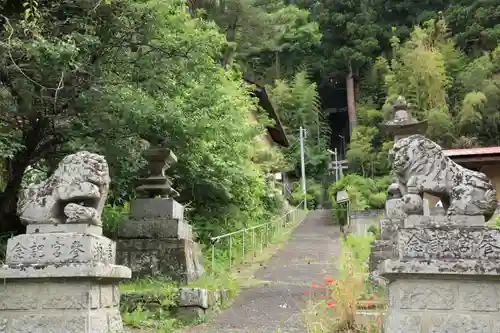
<point x="436" y="305"/>
<point x="192" y="303"/>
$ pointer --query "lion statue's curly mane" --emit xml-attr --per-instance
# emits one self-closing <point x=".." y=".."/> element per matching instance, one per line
<point x="74" y="193"/>
<point x="420" y="163"/>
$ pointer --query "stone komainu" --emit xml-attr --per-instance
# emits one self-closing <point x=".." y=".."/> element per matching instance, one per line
<point x="420" y="164"/>
<point x="75" y="193"/>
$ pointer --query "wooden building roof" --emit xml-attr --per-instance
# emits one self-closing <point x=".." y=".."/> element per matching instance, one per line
<point x="276" y="131"/>
<point x="474" y="158"/>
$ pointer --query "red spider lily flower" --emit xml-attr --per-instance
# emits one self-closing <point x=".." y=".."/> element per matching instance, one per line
<point x="370" y="304"/>
<point x="331" y="303"/>
<point x="322" y="296"/>
<point x="330" y="281"/>
<point x="308" y="292"/>
<point x="314" y="286"/>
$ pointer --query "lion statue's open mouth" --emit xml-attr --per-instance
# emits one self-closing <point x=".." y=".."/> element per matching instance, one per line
<point x="75" y="193"/>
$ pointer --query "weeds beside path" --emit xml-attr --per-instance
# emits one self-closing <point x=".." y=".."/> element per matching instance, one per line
<point x="276" y="300"/>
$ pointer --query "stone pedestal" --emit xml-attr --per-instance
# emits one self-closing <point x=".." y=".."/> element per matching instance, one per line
<point x="61" y="282"/>
<point x="445" y="277"/>
<point x="383" y="248"/>
<point x="157" y="241"/>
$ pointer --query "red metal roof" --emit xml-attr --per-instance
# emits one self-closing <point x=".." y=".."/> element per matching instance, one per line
<point x="472" y="151"/>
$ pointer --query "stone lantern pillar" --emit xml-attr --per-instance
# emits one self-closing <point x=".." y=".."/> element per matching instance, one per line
<point x="156" y="240"/>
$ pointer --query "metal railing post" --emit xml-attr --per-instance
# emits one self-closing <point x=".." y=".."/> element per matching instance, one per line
<point x="261" y="233"/>
<point x="253" y="244"/>
<point x="213" y="257"/>
<point x="267" y="235"/>
<point x="243" y="247"/>
<point x="230" y="249"/>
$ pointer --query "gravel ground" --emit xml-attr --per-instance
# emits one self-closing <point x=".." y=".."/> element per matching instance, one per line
<point x="307" y="258"/>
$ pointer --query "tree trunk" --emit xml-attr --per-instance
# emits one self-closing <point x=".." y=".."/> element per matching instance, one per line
<point x="356" y="90"/>
<point x="351" y="101"/>
<point x="9" y="221"/>
<point x="230" y="36"/>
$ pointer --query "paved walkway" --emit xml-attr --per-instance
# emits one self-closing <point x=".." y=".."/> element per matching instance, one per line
<point x="307" y="258"/>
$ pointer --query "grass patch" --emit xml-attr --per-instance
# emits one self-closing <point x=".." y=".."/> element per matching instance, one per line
<point x="349" y="293"/>
<point x="149" y="303"/>
<point x="156" y="286"/>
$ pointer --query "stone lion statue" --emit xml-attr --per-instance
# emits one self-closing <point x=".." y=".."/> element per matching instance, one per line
<point x="421" y="167"/>
<point x="75" y="193"/>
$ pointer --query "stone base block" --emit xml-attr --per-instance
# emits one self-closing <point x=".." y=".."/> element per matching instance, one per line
<point x="157" y="228"/>
<point x="388" y="228"/>
<point x="380" y="251"/>
<point x="191" y="312"/>
<point x="151" y="208"/>
<point x="55" y="248"/>
<point x="180" y="259"/>
<point x="62" y="228"/>
<point x="443" y="306"/>
<point x="467" y="243"/>
<point x="194" y="297"/>
<point x="72" y="270"/>
<point x="197" y="302"/>
<point x="421" y="268"/>
<point x="419" y="221"/>
<point x="59" y="305"/>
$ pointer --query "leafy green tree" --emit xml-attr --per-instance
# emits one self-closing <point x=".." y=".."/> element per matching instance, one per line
<point x="269" y="39"/>
<point x="350" y="41"/>
<point x="418" y="72"/>
<point x="298" y="104"/>
<point x="106" y="78"/>
<point x="475" y="25"/>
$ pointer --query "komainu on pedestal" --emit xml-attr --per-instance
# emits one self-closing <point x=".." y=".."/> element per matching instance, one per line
<point x="61" y="275"/>
<point x="444" y="275"/>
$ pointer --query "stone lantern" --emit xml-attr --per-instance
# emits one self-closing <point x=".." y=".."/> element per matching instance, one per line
<point x="156" y="240"/>
<point x="402" y="124"/>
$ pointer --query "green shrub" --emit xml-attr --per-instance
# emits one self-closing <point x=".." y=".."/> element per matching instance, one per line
<point x="112" y="217"/>
<point x="375" y="230"/>
<point x="315" y="194"/>
<point x="359" y="245"/>
<point x="363" y="192"/>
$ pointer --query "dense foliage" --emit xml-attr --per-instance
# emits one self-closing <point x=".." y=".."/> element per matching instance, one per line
<point x="363" y="193"/>
<point x="110" y="76"/>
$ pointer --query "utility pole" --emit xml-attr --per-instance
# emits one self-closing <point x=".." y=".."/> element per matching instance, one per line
<point x="336" y="163"/>
<point x="336" y="166"/>
<point x="342" y="145"/>
<point x="302" y="164"/>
